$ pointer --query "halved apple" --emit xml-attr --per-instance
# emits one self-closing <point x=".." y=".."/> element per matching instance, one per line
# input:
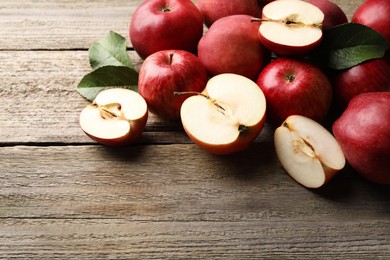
<point x="116" y="117"/>
<point x="308" y="151"/>
<point x="291" y="27"/>
<point x="227" y="116"/>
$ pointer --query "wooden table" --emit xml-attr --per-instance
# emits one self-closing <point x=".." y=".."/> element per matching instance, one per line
<point x="64" y="196"/>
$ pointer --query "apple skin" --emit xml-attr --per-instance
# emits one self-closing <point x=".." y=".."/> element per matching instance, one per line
<point x="333" y="14"/>
<point x="369" y="76"/>
<point x="363" y="132"/>
<point x="295" y="87"/>
<point x="287" y="50"/>
<point x="375" y="14"/>
<point x="164" y="25"/>
<point x="238" y="145"/>
<point x="161" y="76"/>
<point x="213" y="10"/>
<point x="231" y="45"/>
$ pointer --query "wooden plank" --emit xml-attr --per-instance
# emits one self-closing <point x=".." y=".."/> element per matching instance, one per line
<point x="124" y="239"/>
<point x="51" y="24"/>
<point x="61" y="24"/>
<point x="174" y="182"/>
<point x="38" y="91"/>
<point x="163" y="201"/>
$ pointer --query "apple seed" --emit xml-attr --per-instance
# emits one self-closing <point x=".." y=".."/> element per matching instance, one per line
<point x="111" y="111"/>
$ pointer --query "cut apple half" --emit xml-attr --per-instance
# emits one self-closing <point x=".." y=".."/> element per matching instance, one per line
<point x="291" y="27"/>
<point x="116" y="117"/>
<point x="227" y="116"/>
<point x="307" y="151"/>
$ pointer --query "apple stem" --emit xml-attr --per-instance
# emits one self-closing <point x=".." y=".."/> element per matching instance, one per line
<point x="177" y="93"/>
<point x="170" y="58"/>
<point x="165" y="9"/>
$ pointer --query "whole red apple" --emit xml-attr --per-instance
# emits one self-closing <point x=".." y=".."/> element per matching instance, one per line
<point x="363" y="132"/>
<point x="295" y="87"/>
<point x="369" y="76"/>
<point x="333" y="14"/>
<point x="213" y="10"/>
<point x="375" y="14"/>
<point x="165" y="72"/>
<point x="165" y="25"/>
<point x="231" y="45"/>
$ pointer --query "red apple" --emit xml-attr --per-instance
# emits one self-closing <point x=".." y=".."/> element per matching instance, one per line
<point x="363" y="131"/>
<point x="166" y="72"/>
<point x="375" y="14"/>
<point x="333" y="14"/>
<point x="165" y="25"/>
<point x="231" y="45"/>
<point x="291" y="27"/>
<point x="117" y="117"/>
<point x="369" y="76"/>
<point x="213" y="10"/>
<point x="227" y="116"/>
<point x="295" y="87"/>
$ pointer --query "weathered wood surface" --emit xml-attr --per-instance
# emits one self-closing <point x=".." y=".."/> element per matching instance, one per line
<point x="64" y="196"/>
<point x="164" y="201"/>
<point x="69" y="24"/>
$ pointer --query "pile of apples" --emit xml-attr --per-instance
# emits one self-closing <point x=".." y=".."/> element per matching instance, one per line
<point x="255" y="62"/>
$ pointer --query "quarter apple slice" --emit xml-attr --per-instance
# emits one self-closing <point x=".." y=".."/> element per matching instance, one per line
<point x="116" y="117"/>
<point x="227" y="116"/>
<point x="291" y="27"/>
<point x="307" y="151"/>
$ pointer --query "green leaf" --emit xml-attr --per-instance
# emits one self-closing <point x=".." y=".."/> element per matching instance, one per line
<point x="107" y="77"/>
<point x="349" y="44"/>
<point x="109" y="51"/>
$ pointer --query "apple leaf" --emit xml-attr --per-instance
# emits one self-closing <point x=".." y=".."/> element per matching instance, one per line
<point x="349" y="44"/>
<point x="110" y="50"/>
<point x="107" y="77"/>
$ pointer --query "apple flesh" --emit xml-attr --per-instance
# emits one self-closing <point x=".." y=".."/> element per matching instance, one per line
<point x="363" y="131"/>
<point x="164" y="25"/>
<point x="307" y="151"/>
<point x="227" y="116"/>
<point x="166" y="72"/>
<point x="369" y="76"/>
<point x="231" y="45"/>
<point x="116" y="117"/>
<point x="374" y="14"/>
<point x="333" y="14"/>
<point x="295" y="87"/>
<point x="291" y="27"/>
<point x="213" y="10"/>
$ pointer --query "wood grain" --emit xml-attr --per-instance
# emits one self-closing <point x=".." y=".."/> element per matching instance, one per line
<point x="123" y="239"/>
<point x="48" y="25"/>
<point x="38" y="90"/>
<point x="177" y="201"/>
